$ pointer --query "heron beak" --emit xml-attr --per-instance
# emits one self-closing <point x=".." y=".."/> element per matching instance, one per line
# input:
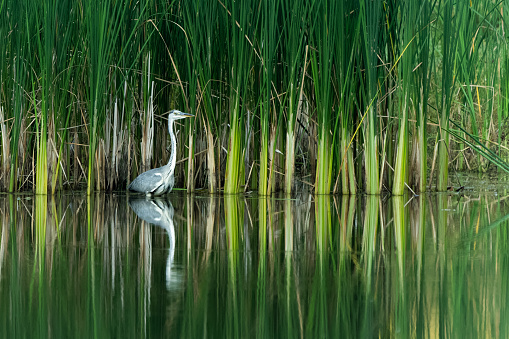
<point x="179" y="115"/>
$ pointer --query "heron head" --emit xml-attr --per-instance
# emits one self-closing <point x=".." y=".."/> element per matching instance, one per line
<point x="176" y="115"/>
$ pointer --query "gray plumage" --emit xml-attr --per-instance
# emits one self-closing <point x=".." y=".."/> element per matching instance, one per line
<point x="160" y="180"/>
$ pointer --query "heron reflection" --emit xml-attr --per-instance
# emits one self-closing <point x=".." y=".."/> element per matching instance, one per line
<point x="159" y="212"/>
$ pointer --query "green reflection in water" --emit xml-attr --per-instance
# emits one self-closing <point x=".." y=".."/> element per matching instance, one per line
<point x="230" y="267"/>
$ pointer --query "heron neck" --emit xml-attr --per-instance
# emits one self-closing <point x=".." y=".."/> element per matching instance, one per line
<point x="173" y="147"/>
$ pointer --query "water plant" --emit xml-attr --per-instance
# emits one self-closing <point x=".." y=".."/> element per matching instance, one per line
<point x="329" y="96"/>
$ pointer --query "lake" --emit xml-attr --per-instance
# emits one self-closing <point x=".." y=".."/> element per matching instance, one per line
<point x="112" y="265"/>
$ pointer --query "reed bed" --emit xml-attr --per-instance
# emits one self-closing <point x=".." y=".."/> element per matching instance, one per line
<point x="317" y="95"/>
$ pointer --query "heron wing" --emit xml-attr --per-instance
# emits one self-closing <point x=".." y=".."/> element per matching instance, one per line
<point x="147" y="182"/>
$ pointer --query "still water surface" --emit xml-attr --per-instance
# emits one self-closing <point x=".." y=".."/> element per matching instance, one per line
<point x="235" y="267"/>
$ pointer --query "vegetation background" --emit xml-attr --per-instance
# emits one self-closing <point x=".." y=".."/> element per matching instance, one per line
<point x="331" y="96"/>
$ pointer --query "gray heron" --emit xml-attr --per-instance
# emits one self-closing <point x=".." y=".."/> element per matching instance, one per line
<point x="160" y="180"/>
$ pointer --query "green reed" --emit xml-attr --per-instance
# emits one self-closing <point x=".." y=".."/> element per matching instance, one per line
<point x="280" y="91"/>
<point x="56" y="55"/>
<point x="406" y="46"/>
<point x="503" y="98"/>
<point x="295" y="52"/>
<point x="370" y="22"/>
<point x="193" y="55"/>
<point x="420" y="94"/>
<point x="4" y="140"/>
<point x="449" y="19"/>
<point x="32" y="20"/>
<point x="239" y="20"/>
<point x="14" y="72"/>
<point x="204" y="67"/>
<point x="477" y="92"/>
<point x="323" y="38"/>
<point x="348" y="31"/>
<point x="103" y="23"/>
<point x="269" y="39"/>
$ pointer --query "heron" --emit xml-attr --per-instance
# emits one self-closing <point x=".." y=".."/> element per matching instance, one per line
<point x="160" y="180"/>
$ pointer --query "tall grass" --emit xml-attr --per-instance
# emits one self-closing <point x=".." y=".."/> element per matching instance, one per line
<point x="14" y="74"/>
<point x="323" y="38"/>
<point x="420" y="95"/>
<point x="329" y="96"/>
<point x="269" y="39"/>
<point x="503" y="66"/>
<point x="370" y="16"/>
<point x="239" y="19"/>
<point x="198" y="18"/>
<point x="103" y="23"/>
<point x="449" y="19"/>
<point x="295" y="51"/>
<point x="409" y="13"/>
<point x="347" y="44"/>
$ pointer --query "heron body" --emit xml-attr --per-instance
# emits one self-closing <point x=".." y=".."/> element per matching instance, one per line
<point x="158" y="181"/>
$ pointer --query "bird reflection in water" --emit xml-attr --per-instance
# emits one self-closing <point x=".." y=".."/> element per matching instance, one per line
<point x="159" y="212"/>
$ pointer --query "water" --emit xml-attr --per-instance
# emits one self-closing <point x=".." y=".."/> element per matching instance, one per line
<point x="429" y="266"/>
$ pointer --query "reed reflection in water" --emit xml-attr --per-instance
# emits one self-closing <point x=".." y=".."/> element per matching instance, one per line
<point x="234" y="266"/>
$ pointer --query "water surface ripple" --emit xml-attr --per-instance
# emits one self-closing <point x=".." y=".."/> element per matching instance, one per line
<point x="112" y="265"/>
